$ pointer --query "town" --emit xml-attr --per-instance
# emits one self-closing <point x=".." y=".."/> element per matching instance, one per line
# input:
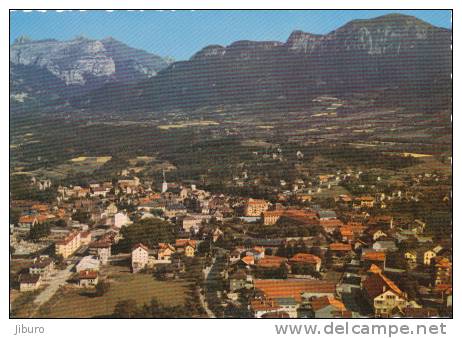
<point x="138" y="247"/>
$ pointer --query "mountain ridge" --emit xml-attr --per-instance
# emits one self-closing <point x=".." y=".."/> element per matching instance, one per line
<point x="393" y="51"/>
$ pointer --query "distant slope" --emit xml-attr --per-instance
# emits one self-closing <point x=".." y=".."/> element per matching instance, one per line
<point x="409" y="58"/>
<point x="73" y="68"/>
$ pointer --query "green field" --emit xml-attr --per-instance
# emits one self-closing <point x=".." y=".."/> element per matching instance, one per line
<point x="123" y="285"/>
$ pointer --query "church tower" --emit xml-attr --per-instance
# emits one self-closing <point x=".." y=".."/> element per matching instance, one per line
<point x="164" y="184"/>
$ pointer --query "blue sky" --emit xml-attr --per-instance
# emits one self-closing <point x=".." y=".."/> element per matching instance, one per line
<point x="180" y="34"/>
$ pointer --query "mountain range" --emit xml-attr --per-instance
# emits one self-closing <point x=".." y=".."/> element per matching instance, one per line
<point x="404" y="58"/>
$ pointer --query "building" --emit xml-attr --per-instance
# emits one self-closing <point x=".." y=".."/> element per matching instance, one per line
<point x="298" y="289"/>
<point x="88" y="278"/>
<point x="384" y="296"/>
<point x="442" y="271"/>
<point x="238" y="280"/>
<point x="121" y="219"/>
<point x="140" y="257"/>
<point x="67" y="246"/>
<point x="102" y="250"/>
<point x="306" y="259"/>
<point x="271" y="217"/>
<point x="298" y="215"/>
<point x="190" y="222"/>
<point x="43" y="266"/>
<point x="88" y="263"/>
<point x="165" y="251"/>
<point x="255" y="207"/>
<point x="186" y="246"/>
<point x="329" y="307"/>
<point x="29" y="282"/>
<point x="271" y="262"/>
<point x="364" y="202"/>
<point x="331" y="225"/>
<point x="85" y="238"/>
<point x="262" y="307"/>
<point x="27" y="221"/>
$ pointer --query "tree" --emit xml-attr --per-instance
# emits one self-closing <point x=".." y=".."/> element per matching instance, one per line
<point x="149" y="232"/>
<point x="101" y="288"/>
<point x="81" y="216"/>
<point x="39" y="230"/>
<point x="126" y="309"/>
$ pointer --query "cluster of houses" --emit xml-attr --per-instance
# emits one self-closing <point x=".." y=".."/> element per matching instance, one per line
<point x="371" y="257"/>
<point x="353" y="267"/>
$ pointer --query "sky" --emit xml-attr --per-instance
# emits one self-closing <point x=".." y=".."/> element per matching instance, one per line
<point x="180" y="34"/>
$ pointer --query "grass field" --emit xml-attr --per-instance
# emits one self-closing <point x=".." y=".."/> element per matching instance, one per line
<point x="71" y="303"/>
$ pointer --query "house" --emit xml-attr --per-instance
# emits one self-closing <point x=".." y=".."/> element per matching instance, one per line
<point x="383" y="294"/>
<point x="258" y="252"/>
<point x="326" y="214"/>
<point x="239" y="280"/>
<point x="67" y="246"/>
<point x="190" y="222"/>
<point x="140" y="256"/>
<point x="263" y="307"/>
<point x="297" y="289"/>
<point x="88" y="263"/>
<point x="165" y="251"/>
<point x="331" y="225"/>
<point x="301" y="216"/>
<point x="247" y="261"/>
<point x="85" y="238"/>
<point x="186" y="246"/>
<point x="43" y="266"/>
<point x="29" y="282"/>
<point x="306" y="259"/>
<point x="377" y="233"/>
<point x="384" y="246"/>
<point x="373" y="257"/>
<point x="234" y="256"/>
<point x="287" y="305"/>
<point x="364" y="202"/>
<point x="442" y="271"/>
<point x="340" y="249"/>
<point x="88" y="278"/>
<point x="174" y="209"/>
<point x="27" y="221"/>
<point x="102" y="250"/>
<point x="271" y="217"/>
<point x="121" y="219"/>
<point x="216" y="234"/>
<point x="271" y="262"/>
<point x="255" y="207"/>
<point x="411" y="255"/>
<point x="346" y="233"/>
<point x="329" y="307"/>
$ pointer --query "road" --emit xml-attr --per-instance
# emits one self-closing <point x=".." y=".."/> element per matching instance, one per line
<point x="213" y="280"/>
<point x="56" y="281"/>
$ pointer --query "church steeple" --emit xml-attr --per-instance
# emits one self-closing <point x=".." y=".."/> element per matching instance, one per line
<point x="164" y="184"/>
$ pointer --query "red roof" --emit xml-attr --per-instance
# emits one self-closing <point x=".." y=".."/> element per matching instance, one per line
<point x="322" y="302"/>
<point x="373" y="256"/>
<point x="140" y="245"/>
<point x="305" y="258"/>
<point x="271" y="262"/>
<point x="376" y="284"/>
<point x="285" y="288"/>
<point x="88" y="274"/>
<point x="339" y="247"/>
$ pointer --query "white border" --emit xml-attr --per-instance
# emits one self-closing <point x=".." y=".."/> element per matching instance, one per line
<point x="207" y="328"/>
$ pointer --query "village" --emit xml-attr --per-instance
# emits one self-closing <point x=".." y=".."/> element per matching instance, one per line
<point x="230" y="256"/>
